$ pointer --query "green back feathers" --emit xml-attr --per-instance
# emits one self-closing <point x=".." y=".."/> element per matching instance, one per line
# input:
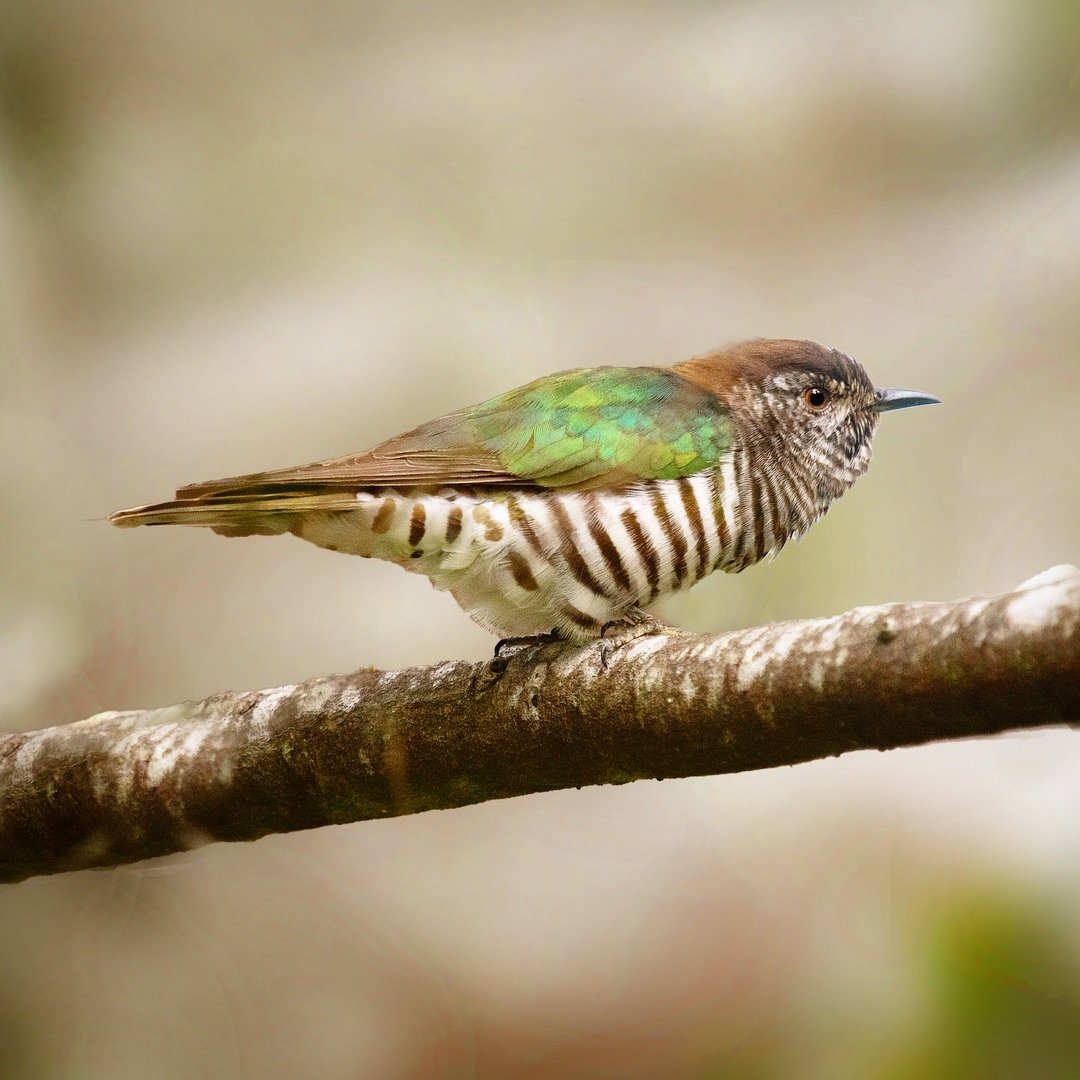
<point x="590" y="428"/>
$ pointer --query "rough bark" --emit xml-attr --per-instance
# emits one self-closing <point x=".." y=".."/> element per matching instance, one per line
<point x="123" y="786"/>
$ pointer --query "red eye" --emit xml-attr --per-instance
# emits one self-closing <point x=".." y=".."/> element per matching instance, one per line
<point x="816" y="397"/>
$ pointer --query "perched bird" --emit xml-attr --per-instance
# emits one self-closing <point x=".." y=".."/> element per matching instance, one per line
<point x="579" y="499"/>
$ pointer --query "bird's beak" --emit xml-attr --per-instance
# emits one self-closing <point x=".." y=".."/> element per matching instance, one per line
<point x="888" y="398"/>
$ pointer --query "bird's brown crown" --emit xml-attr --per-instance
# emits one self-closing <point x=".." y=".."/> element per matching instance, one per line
<point x="752" y="363"/>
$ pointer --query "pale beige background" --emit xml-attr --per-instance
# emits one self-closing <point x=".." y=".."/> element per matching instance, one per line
<point x="246" y="235"/>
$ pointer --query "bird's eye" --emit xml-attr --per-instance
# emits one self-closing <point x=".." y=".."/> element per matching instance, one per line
<point x="816" y="397"/>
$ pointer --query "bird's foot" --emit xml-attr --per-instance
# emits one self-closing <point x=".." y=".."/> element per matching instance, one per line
<point x="519" y="644"/>
<point x="635" y="624"/>
<point x="529" y="641"/>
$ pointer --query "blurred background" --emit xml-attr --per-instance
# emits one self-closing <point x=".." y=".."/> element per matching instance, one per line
<point x="242" y="236"/>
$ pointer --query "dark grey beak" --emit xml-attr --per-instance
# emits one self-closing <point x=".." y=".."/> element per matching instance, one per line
<point x="889" y="398"/>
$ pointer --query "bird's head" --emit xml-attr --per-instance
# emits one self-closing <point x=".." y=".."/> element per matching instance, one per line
<point x="809" y="410"/>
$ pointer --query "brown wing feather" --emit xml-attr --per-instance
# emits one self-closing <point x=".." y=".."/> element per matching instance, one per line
<point x="425" y="456"/>
<point x="432" y="455"/>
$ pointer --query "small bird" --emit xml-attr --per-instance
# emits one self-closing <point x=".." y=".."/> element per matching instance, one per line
<point x="577" y="500"/>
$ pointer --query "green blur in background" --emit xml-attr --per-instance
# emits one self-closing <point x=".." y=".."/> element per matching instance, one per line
<point x="242" y="236"/>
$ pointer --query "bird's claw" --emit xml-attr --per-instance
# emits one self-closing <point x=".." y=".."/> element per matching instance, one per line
<point x="530" y="641"/>
<point x="499" y="661"/>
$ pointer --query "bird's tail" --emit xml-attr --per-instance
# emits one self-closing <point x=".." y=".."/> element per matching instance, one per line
<point x="254" y="514"/>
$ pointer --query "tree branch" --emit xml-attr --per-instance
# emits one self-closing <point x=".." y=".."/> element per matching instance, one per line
<point x="123" y="786"/>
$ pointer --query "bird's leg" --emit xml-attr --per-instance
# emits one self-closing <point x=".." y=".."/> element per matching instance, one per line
<point x="635" y="623"/>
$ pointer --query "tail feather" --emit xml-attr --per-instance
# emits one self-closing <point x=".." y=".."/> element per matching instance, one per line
<point x="243" y="515"/>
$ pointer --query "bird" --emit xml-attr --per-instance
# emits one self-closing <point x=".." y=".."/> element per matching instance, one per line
<point x="574" y="502"/>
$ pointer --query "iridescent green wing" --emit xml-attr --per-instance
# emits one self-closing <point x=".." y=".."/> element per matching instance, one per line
<point x="590" y="428"/>
<point x="603" y="426"/>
